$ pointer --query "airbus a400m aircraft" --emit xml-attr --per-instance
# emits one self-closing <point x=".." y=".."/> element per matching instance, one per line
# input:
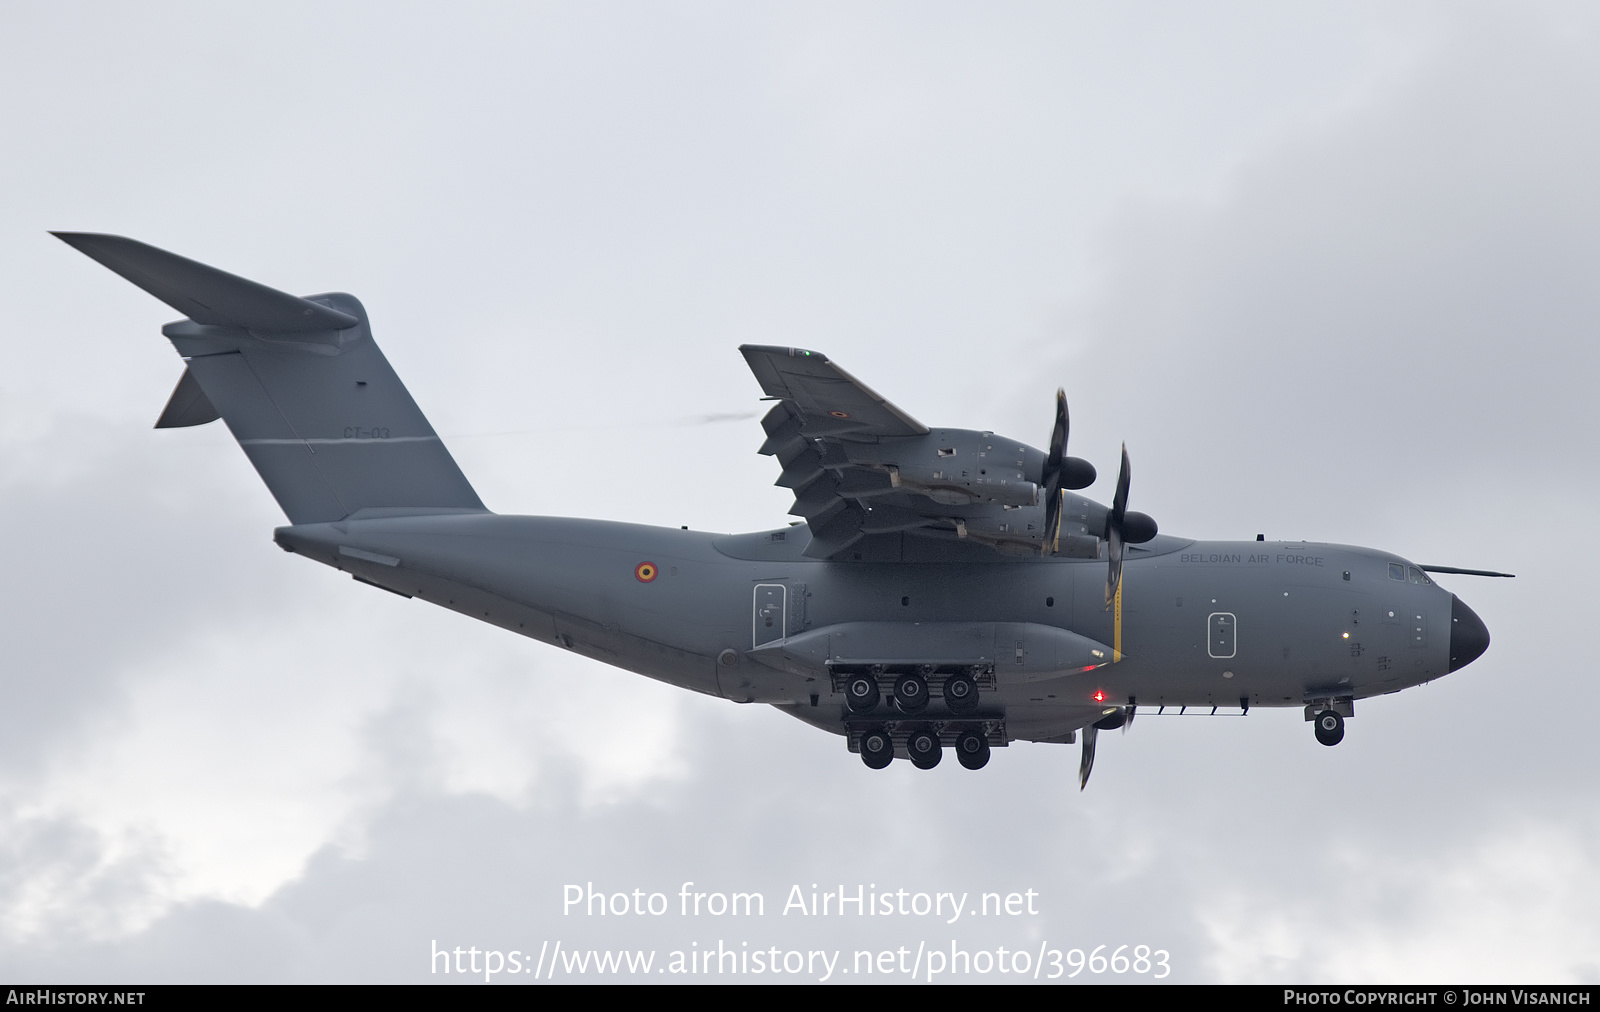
<point x="947" y="588"/>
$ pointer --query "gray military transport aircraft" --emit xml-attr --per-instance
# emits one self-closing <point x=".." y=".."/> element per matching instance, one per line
<point x="946" y="588"/>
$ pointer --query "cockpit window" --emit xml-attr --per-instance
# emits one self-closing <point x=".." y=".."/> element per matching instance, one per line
<point x="1417" y="576"/>
<point x="1397" y="572"/>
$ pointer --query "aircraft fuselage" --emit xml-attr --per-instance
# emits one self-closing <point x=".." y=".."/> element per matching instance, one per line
<point x="1201" y="624"/>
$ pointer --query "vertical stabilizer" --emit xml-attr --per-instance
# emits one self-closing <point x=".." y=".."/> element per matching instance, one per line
<point x="301" y="384"/>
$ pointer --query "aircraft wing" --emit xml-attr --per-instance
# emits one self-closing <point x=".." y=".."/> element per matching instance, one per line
<point x="861" y="468"/>
<point x="827" y="400"/>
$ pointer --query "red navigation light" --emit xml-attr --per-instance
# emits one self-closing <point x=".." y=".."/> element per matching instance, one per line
<point x="1099" y="696"/>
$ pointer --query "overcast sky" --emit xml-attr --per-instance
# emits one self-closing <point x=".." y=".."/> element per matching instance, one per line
<point x="1329" y="269"/>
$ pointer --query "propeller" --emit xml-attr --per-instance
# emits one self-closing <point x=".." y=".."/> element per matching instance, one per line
<point x="1060" y="472"/>
<point x="1123" y="527"/>
<point x="1120" y="716"/>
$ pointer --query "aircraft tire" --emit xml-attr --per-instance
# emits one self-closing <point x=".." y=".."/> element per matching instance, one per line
<point x="924" y="747"/>
<point x="972" y="750"/>
<point x="910" y="693"/>
<point x="1329" y="727"/>
<point x="877" y="749"/>
<point x="960" y="694"/>
<point x="861" y="693"/>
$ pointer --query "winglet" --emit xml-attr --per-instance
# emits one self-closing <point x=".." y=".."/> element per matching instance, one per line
<point x="205" y="294"/>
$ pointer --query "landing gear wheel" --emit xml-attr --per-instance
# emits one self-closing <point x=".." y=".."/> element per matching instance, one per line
<point x="877" y="749"/>
<point x="861" y="693"/>
<point x="924" y="748"/>
<point x="961" y="693"/>
<point x="1330" y="727"/>
<point x="972" y="749"/>
<point x="910" y="693"/>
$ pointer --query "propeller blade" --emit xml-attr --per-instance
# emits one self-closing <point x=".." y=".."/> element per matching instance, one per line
<point x="1060" y="472"/>
<point x="1058" y="438"/>
<point x="1119" y="501"/>
<point x="1114" y="554"/>
<point x="1131" y="709"/>
<point x="1086" y="764"/>
<point x="1124" y="527"/>
<point x="1054" y="466"/>
<point x="1115" y="520"/>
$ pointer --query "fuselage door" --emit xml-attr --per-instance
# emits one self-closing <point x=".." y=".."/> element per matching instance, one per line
<point x="1223" y="639"/>
<point x="770" y="613"/>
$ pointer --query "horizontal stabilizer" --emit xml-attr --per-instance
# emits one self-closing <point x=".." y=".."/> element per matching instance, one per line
<point x="187" y="406"/>
<point x="205" y="294"/>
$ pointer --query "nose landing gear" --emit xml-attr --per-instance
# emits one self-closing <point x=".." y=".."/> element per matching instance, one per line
<point x="1327" y="716"/>
<point x="1329" y="726"/>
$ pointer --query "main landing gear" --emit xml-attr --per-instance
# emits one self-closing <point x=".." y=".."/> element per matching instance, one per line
<point x="911" y="694"/>
<point x="972" y="750"/>
<point x="861" y="693"/>
<point x="924" y="747"/>
<point x="924" y="744"/>
<point x="961" y="693"/>
<point x="877" y="749"/>
<point x="895" y="709"/>
<point x="910" y="691"/>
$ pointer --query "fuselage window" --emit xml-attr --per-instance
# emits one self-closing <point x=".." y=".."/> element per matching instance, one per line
<point x="1397" y="572"/>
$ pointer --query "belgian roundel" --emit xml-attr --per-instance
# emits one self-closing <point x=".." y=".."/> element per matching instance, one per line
<point x="644" y="572"/>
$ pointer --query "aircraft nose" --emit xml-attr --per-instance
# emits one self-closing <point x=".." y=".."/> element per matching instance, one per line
<point x="1469" y="637"/>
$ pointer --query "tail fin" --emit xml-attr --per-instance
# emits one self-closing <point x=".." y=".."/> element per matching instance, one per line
<point x="301" y="384"/>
